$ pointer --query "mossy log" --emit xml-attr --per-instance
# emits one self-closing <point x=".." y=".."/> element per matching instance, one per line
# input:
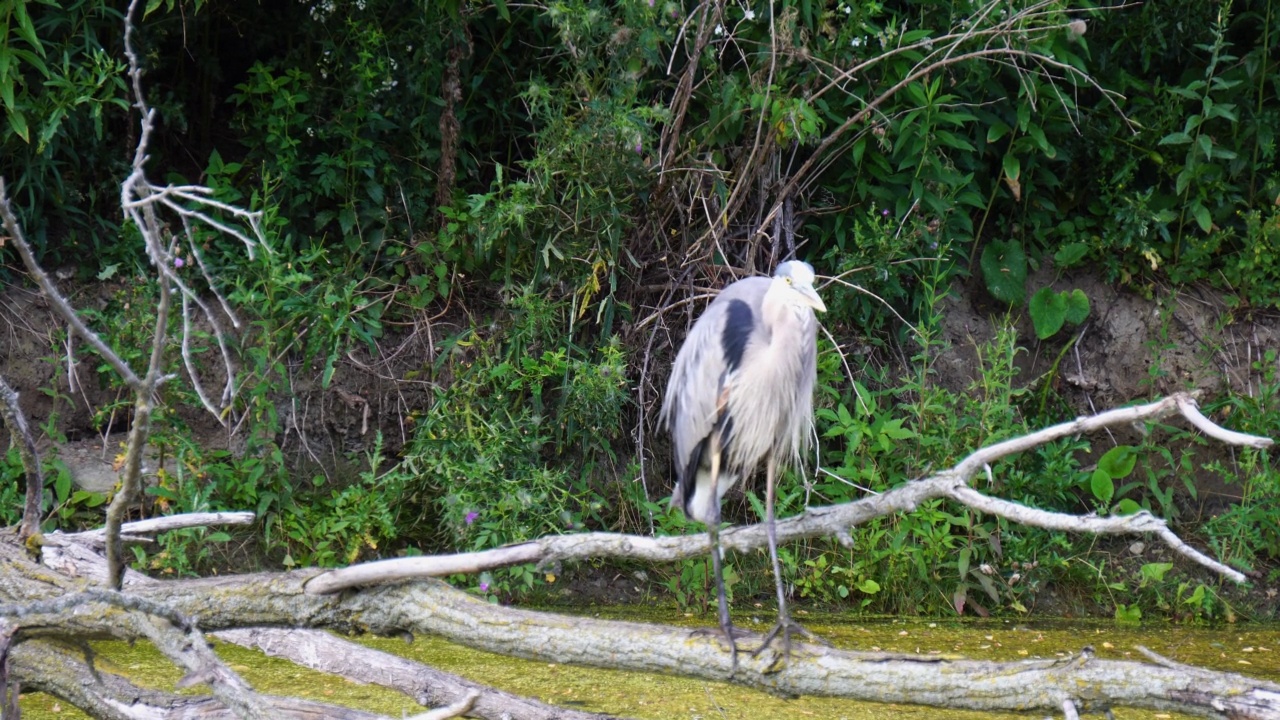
<point x="1083" y="682"/>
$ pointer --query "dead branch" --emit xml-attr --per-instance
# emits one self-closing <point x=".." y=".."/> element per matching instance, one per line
<point x="20" y="436"/>
<point x="155" y="526"/>
<point x="833" y="520"/>
<point x="53" y="668"/>
<point x="428" y="686"/>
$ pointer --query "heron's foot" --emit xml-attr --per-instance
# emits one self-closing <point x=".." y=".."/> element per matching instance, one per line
<point x="783" y="631"/>
<point x="727" y="635"/>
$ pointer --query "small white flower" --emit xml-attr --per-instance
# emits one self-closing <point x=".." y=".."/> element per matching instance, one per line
<point x="719" y="30"/>
<point x="846" y="9"/>
<point x="856" y="42"/>
<point x="750" y="14"/>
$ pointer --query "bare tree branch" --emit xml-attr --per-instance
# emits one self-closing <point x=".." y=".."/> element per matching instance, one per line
<point x="20" y="436"/>
<point x="428" y="686"/>
<point x="828" y="521"/>
<point x="153" y="526"/>
<point x="59" y="302"/>
<point x="50" y="667"/>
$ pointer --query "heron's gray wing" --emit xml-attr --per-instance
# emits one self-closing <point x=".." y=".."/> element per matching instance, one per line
<point x="689" y="408"/>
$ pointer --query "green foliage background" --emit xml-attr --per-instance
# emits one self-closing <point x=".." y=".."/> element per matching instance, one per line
<point x="551" y="173"/>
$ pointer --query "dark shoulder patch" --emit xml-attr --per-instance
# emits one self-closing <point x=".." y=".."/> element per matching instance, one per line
<point x="738" y="324"/>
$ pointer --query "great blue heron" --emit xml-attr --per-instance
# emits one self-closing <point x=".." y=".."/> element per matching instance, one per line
<point x="742" y="390"/>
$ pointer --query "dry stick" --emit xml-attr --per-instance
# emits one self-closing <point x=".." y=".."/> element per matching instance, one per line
<point x="20" y="435"/>
<point x="157" y="525"/>
<point x="684" y="90"/>
<point x="831" y="520"/>
<point x="51" y="293"/>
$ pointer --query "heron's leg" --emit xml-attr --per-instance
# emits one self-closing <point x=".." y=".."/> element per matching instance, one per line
<point x="785" y="625"/>
<point x="770" y="490"/>
<point x="713" y="529"/>
<point x="726" y="626"/>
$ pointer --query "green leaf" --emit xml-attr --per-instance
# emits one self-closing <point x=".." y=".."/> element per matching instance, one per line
<point x="62" y="486"/>
<point x="1206" y="146"/>
<point x="27" y="30"/>
<point x="88" y="499"/>
<point x="1004" y="269"/>
<point x="347" y="219"/>
<point x="1077" y="306"/>
<point x="1128" y="615"/>
<point x="997" y="131"/>
<point x="1048" y="310"/>
<point x="1127" y="507"/>
<point x="1012" y="166"/>
<point x="1037" y="134"/>
<point x="1102" y="486"/>
<point x="1070" y="254"/>
<point x="1177" y="138"/>
<point x="1154" y="572"/>
<point x="868" y="587"/>
<point x="1183" y="180"/>
<point x="163" y="492"/>
<point x="1203" y="219"/>
<point x="503" y="12"/>
<point x="1119" y="461"/>
<point x="18" y="122"/>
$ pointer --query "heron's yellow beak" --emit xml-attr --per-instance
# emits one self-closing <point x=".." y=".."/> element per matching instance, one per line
<point x="811" y="296"/>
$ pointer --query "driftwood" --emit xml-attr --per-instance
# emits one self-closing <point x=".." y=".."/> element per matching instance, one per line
<point x="835" y="520"/>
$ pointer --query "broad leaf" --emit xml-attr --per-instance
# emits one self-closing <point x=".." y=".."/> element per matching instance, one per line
<point x="1004" y="269"/>
<point x="1077" y="306"/>
<point x="1048" y="310"/>
<point x="1102" y="486"/>
<point x="1070" y="254"/>
<point x="1119" y="461"/>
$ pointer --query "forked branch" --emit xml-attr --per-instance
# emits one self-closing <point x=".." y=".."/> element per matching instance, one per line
<point x="833" y="520"/>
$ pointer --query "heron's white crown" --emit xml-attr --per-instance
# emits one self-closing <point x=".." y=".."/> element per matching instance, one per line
<point x="798" y="270"/>
<point x="799" y="276"/>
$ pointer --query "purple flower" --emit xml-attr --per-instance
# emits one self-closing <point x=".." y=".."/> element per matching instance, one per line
<point x="639" y="148"/>
<point x="179" y="262"/>
<point x="651" y="4"/>
<point x="885" y="212"/>
<point x="471" y="516"/>
<point x="484" y="587"/>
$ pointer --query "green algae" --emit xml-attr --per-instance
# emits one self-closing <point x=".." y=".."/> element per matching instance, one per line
<point x="1252" y="650"/>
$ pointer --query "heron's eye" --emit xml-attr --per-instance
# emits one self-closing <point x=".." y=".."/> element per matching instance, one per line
<point x="787" y="279"/>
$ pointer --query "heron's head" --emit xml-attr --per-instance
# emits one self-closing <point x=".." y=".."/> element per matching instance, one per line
<point x="796" y="277"/>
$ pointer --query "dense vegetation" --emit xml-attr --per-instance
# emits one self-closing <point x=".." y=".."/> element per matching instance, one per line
<point x="550" y="181"/>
